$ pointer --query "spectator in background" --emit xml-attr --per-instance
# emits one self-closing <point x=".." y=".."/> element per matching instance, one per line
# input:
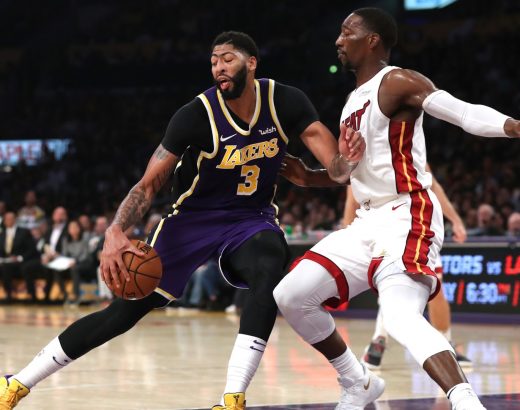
<point x="55" y="237"/>
<point x="95" y="247"/>
<point x="75" y="246"/>
<point x="3" y="209"/>
<point x="207" y="289"/>
<point x="54" y="246"/>
<point x="33" y="268"/>
<point x="98" y="233"/>
<point x="16" y="248"/>
<point x="497" y="225"/>
<point x="513" y="225"/>
<point x="487" y="222"/>
<point x="86" y="226"/>
<point x="471" y="220"/>
<point x="30" y="215"/>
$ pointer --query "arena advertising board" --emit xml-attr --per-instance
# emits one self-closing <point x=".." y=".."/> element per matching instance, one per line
<point x="482" y="279"/>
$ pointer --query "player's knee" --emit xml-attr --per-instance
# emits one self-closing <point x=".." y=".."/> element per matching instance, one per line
<point x="287" y="296"/>
<point x="124" y="314"/>
<point x="263" y="295"/>
<point x="392" y="321"/>
<point x="399" y="320"/>
<point x="278" y="294"/>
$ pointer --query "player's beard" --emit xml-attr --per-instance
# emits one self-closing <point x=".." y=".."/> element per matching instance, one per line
<point x="346" y="64"/>
<point x="238" y="84"/>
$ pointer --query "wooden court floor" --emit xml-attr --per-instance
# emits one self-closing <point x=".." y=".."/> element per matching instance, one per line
<point x="176" y="359"/>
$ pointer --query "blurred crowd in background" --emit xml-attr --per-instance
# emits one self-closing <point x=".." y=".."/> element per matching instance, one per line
<point x="108" y="75"/>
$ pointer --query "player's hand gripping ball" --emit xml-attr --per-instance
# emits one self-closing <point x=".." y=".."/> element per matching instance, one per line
<point x="145" y="273"/>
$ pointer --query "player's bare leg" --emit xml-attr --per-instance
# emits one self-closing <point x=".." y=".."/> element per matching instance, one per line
<point x="442" y="368"/>
<point x="332" y="347"/>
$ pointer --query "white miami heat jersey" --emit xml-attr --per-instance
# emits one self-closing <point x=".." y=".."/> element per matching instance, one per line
<point x="395" y="157"/>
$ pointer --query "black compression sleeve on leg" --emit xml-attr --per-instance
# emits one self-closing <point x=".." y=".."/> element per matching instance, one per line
<point x="260" y="262"/>
<point x="97" y="328"/>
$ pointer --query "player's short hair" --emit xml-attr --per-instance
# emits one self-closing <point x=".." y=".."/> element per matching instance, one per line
<point x="380" y="22"/>
<point x="239" y="40"/>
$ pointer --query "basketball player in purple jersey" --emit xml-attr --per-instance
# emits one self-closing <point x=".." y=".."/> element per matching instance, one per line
<point x="225" y="148"/>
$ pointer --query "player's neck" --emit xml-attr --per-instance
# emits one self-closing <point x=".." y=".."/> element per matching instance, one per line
<point x="244" y="106"/>
<point x="365" y="72"/>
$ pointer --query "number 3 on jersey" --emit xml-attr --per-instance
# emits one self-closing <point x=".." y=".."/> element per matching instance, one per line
<point x="251" y="173"/>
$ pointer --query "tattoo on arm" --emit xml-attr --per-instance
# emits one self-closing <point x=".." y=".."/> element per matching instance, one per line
<point x="133" y="207"/>
<point x="160" y="153"/>
<point x="340" y="169"/>
<point x="158" y="181"/>
<point x="139" y="199"/>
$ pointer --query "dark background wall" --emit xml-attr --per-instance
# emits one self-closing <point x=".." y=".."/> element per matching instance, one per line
<point x="109" y="75"/>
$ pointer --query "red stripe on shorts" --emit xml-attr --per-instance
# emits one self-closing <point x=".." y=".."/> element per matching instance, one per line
<point x="418" y="242"/>
<point x="335" y="272"/>
<point x="372" y="268"/>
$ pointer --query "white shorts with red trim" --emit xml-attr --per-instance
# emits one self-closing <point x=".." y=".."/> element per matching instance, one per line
<point x="438" y="268"/>
<point x="408" y="231"/>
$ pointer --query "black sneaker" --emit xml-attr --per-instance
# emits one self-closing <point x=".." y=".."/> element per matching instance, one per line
<point x="463" y="360"/>
<point x="374" y="353"/>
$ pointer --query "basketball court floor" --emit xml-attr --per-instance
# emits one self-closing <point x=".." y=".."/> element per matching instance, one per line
<point x="176" y="359"/>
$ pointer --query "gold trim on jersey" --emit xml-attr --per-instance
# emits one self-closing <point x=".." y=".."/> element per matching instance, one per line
<point x="423" y="233"/>
<point x="165" y="294"/>
<point x="152" y="243"/>
<point x="156" y="233"/>
<point x="273" y="112"/>
<point x="202" y="155"/>
<point x="276" y="209"/>
<point x="255" y="115"/>
<point x="403" y="157"/>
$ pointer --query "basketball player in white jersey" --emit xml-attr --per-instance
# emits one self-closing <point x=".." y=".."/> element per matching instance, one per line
<point x="439" y="311"/>
<point x="393" y="244"/>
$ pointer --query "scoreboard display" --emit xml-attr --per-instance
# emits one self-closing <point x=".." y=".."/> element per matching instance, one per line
<point x="482" y="279"/>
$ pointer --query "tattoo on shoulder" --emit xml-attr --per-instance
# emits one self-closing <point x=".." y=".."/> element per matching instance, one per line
<point x="160" y="153"/>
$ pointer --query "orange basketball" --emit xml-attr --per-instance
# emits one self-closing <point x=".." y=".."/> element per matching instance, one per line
<point x="145" y="272"/>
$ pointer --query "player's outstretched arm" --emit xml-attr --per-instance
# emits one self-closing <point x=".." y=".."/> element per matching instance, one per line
<point x="415" y="90"/>
<point x="295" y="170"/>
<point x="131" y="210"/>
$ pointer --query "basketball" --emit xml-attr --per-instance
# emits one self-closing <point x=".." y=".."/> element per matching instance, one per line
<point x="145" y="272"/>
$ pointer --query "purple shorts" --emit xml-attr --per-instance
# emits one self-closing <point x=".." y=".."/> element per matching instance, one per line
<point x="187" y="240"/>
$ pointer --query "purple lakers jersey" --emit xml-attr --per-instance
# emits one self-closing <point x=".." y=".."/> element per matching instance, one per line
<point x="241" y="170"/>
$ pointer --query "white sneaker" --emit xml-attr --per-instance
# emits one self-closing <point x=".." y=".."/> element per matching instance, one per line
<point x="471" y="403"/>
<point x="364" y="391"/>
<point x="462" y="397"/>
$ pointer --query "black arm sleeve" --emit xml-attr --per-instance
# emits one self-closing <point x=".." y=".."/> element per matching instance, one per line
<point x="188" y="126"/>
<point x="294" y="109"/>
